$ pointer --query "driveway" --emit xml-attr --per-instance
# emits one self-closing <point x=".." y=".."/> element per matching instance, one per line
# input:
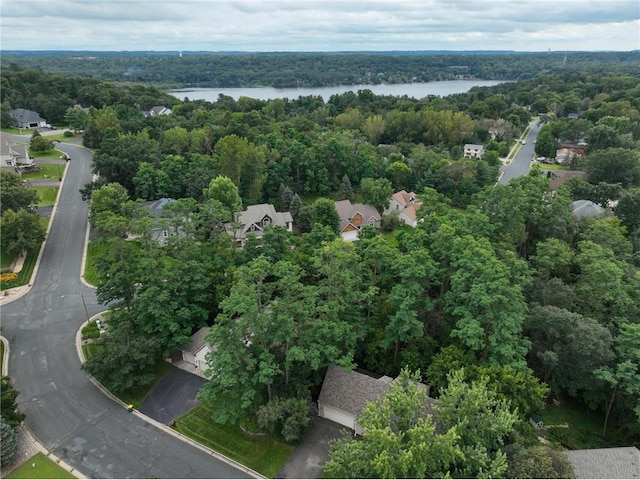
<point x="172" y="396"/>
<point x="308" y="458"/>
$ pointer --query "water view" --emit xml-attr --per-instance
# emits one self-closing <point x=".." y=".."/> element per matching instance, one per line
<point x="415" y="90"/>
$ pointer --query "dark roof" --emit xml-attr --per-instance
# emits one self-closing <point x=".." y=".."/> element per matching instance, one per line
<point x="22" y="115"/>
<point x="197" y="341"/>
<point x="558" y="177"/>
<point x="156" y="206"/>
<point x="622" y="462"/>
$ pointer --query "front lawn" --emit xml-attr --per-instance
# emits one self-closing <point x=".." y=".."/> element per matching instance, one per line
<point x="47" y="171"/>
<point x="47" y="195"/>
<point x="259" y="452"/>
<point x="44" y="468"/>
<point x="53" y="153"/>
<point x="95" y="249"/>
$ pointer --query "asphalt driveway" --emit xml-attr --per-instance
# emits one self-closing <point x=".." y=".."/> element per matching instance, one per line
<point x="307" y="459"/>
<point x="172" y="396"/>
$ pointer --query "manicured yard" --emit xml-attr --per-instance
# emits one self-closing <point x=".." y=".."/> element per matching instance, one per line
<point x="95" y="249"/>
<point x="45" y="468"/>
<point x="48" y="154"/>
<point x="258" y="452"/>
<point x="47" y="195"/>
<point x="47" y="171"/>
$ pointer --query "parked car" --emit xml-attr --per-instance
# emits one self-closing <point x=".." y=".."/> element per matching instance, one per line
<point x="524" y="142"/>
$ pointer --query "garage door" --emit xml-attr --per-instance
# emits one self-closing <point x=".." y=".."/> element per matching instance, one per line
<point x="350" y="236"/>
<point x="339" y="417"/>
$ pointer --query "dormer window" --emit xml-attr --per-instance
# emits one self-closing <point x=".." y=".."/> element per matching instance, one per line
<point x="266" y="221"/>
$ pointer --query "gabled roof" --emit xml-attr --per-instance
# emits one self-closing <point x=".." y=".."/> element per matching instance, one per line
<point x="346" y="210"/>
<point x="473" y="146"/>
<point x="254" y="214"/>
<point x="156" y="206"/>
<point x="197" y="341"/>
<point x="351" y="391"/>
<point x="558" y="177"/>
<point x="16" y="153"/>
<point x="23" y="115"/>
<point x="409" y="202"/>
<point x="622" y="462"/>
<point x="586" y="208"/>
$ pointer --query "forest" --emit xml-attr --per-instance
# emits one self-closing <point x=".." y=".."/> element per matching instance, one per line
<point x="288" y="69"/>
<point x="500" y="295"/>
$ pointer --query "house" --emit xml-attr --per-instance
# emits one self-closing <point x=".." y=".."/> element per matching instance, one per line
<point x="472" y="150"/>
<point x="586" y="208"/>
<point x="354" y="216"/>
<point x="160" y="230"/>
<point x="195" y="353"/>
<point x="158" y="110"/>
<point x="255" y="219"/>
<point x="558" y="177"/>
<point x="27" y="118"/>
<point x="12" y="155"/>
<point x="567" y="154"/>
<point x="406" y="205"/>
<point x="345" y="393"/>
<point x="621" y="462"/>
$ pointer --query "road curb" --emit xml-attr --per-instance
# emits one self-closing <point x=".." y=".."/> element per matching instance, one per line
<point x="53" y="457"/>
<point x="151" y="421"/>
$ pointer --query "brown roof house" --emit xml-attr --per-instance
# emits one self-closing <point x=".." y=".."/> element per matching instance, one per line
<point x="354" y="216"/>
<point x="558" y="177"/>
<point x="406" y="205"/>
<point x="255" y="219"/>
<point x="622" y="462"/>
<point x="345" y="393"/>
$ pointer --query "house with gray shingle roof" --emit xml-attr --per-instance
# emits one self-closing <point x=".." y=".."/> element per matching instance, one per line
<point x="27" y="118"/>
<point x="345" y="393"/>
<point x="195" y="353"/>
<point x="12" y="155"/>
<point x="255" y="219"/>
<point x="354" y="216"/>
<point x="622" y="462"/>
<point x="586" y="208"/>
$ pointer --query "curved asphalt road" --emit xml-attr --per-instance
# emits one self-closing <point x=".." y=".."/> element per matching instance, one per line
<point x="65" y="411"/>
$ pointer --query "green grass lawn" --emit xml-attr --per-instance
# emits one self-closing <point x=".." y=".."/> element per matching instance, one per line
<point x="94" y="250"/>
<point x="47" y="195"/>
<point x="53" y="153"/>
<point x="5" y="260"/>
<point x="585" y="427"/>
<point x="45" y="468"/>
<point x="259" y="452"/>
<point x="47" y="171"/>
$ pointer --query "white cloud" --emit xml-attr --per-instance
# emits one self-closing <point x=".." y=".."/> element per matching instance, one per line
<point x="310" y="25"/>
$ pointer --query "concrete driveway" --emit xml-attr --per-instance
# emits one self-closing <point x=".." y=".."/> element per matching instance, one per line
<point x="308" y="458"/>
<point x="172" y="396"/>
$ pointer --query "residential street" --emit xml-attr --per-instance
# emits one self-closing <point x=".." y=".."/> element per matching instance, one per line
<point x="521" y="163"/>
<point x="65" y="411"/>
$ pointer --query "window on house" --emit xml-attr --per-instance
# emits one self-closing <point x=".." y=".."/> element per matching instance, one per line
<point x="266" y="221"/>
<point x="165" y="233"/>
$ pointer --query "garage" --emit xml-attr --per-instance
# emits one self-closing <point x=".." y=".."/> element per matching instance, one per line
<point x="335" y="415"/>
<point x="350" y="236"/>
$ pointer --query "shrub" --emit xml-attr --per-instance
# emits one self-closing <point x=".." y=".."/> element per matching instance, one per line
<point x="286" y="419"/>
<point x="91" y="330"/>
<point x="8" y="442"/>
<point x="68" y="133"/>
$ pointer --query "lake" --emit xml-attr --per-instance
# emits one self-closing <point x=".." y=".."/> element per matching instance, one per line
<point x="415" y="90"/>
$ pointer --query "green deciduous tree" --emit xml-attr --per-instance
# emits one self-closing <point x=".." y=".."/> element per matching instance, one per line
<point x="76" y="118"/>
<point x="14" y="194"/>
<point x="377" y="192"/>
<point x="614" y="165"/>
<point x="399" y="440"/>
<point x="225" y="191"/>
<point x="538" y="462"/>
<point x="41" y="144"/>
<point x="21" y="231"/>
<point x="482" y="421"/>
<point x="285" y="418"/>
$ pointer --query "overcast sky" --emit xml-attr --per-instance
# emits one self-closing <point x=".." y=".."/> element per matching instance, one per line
<point x="320" y="25"/>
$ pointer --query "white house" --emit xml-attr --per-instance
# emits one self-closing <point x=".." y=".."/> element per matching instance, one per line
<point x="195" y="353"/>
<point x="13" y="155"/>
<point x="158" y="110"/>
<point x="472" y="150"/>
<point x="406" y="205"/>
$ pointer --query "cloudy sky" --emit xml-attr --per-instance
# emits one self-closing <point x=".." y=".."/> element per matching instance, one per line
<point x="320" y="25"/>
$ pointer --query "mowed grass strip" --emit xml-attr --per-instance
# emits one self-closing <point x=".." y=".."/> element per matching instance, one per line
<point x="47" y="195"/>
<point x="45" y="468"/>
<point x="261" y="453"/>
<point x="47" y="171"/>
